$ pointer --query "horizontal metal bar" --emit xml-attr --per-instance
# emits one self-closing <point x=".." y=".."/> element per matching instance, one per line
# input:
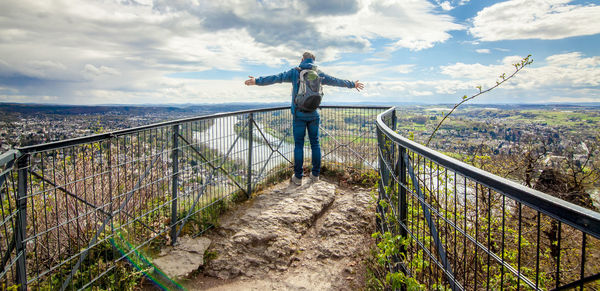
<point x="9" y="156"/>
<point x="3" y="173"/>
<point x="576" y="216"/>
<point x="7" y="160"/>
<point x="382" y="107"/>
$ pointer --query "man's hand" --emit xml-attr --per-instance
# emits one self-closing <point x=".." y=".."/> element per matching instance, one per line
<point x="358" y="85"/>
<point x="250" y="81"/>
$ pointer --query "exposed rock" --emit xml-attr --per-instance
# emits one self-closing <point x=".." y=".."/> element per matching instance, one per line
<point x="311" y="237"/>
<point x="184" y="258"/>
<point x="266" y="234"/>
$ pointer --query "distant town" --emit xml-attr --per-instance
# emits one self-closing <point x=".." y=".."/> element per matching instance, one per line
<point x="498" y="126"/>
<point x="29" y="124"/>
<point x="498" y="138"/>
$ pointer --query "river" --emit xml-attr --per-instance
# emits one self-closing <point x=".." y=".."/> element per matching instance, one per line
<point x="221" y="136"/>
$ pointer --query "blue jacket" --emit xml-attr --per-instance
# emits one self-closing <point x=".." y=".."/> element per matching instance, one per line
<point x="293" y="76"/>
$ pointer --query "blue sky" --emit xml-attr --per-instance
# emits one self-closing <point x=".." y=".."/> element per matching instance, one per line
<point x="196" y="51"/>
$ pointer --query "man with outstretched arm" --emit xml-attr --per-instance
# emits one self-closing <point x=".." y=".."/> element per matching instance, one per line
<point x="304" y="120"/>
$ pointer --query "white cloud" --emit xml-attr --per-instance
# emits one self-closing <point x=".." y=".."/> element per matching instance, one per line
<point x="450" y="4"/>
<point x="420" y="93"/>
<point x="169" y="90"/>
<point x="566" y="70"/>
<point x="482" y="51"/>
<point x="570" y="77"/>
<point x="572" y="74"/>
<point x="29" y="99"/>
<point x="94" y="51"/>
<point x="367" y="72"/>
<point x="446" y="6"/>
<point x="402" y="69"/>
<point x="478" y="71"/>
<point x="33" y="68"/>
<point x="92" y="71"/>
<point x="109" y="52"/>
<point x="535" y="19"/>
<point x="8" y="90"/>
<point x="412" y="24"/>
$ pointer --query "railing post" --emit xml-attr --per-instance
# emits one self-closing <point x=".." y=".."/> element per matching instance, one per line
<point x="378" y="218"/>
<point x="397" y="188"/>
<point x="383" y="183"/>
<point x="402" y="205"/>
<point x="250" y="139"/>
<point x="393" y="149"/>
<point x="21" y="231"/>
<point x="174" y="182"/>
<point x="394" y="120"/>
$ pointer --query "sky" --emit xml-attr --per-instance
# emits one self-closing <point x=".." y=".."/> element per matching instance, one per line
<point x="201" y="51"/>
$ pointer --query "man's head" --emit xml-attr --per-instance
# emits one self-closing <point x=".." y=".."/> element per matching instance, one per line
<point x="308" y="55"/>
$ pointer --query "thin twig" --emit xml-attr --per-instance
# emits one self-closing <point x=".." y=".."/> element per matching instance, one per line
<point x="518" y="67"/>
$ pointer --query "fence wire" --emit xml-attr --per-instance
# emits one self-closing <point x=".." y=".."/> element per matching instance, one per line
<point x="75" y="213"/>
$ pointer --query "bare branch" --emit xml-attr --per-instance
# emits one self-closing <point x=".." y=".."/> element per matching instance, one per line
<point x="518" y="67"/>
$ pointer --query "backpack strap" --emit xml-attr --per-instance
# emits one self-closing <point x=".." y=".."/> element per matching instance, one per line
<point x="299" y="84"/>
<point x="299" y="72"/>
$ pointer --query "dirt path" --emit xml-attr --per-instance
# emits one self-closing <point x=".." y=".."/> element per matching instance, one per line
<point x="312" y="237"/>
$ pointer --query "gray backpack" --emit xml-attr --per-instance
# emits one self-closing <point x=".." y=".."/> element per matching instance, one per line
<point x="310" y="91"/>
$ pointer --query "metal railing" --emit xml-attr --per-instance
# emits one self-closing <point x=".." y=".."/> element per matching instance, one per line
<point x="462" y="228"/>
<point x="74" y="212"/>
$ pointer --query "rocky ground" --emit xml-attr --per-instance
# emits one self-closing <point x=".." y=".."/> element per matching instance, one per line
<point x="312" y="237"/>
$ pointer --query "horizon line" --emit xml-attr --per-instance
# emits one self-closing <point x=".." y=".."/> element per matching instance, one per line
<point x="265" y="103"/>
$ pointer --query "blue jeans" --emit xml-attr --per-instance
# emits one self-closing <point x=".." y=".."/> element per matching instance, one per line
<point x="300" y="125"/>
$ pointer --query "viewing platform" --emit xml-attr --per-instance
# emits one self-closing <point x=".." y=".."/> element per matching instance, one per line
<point x="99" y="211"/>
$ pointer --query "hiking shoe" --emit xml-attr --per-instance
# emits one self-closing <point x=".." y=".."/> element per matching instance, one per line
<point x="314" y="178"/>
<point x="296" y="181"/>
